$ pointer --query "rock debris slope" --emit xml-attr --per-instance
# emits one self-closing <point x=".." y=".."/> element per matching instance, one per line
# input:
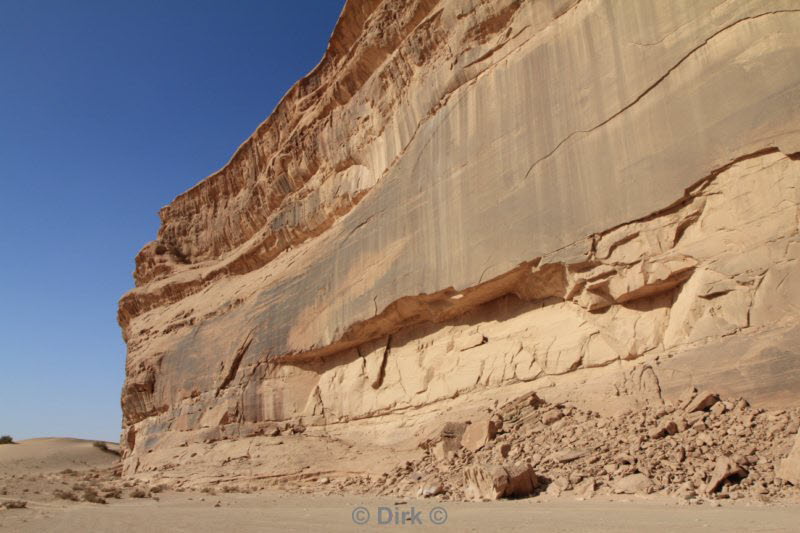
<point x="467" y="201"/>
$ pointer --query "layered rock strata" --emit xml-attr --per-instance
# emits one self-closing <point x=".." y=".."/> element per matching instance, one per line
<point x="466" y="201"/>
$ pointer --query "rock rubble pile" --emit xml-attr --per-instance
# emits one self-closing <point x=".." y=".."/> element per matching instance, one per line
<point x="703" y="447"/>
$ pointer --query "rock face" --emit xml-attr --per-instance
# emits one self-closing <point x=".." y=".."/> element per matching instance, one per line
<point x="466" y="201"/>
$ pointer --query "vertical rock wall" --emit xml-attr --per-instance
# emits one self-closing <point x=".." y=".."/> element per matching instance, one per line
<point x="467" y="200"/>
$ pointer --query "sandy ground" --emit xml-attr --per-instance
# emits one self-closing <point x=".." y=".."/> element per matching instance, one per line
<point x="32" y="470"/>
<point x="272" y="512"/>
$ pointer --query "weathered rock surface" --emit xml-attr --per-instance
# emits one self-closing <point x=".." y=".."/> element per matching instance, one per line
<point x="478" y="435"/>
<point x="485" y="482"/>
<point x="467" y="201"/>
<point x="789" y="469"/>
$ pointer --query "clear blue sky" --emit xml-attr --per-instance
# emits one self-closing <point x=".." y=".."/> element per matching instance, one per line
<point x="108" y="110"/>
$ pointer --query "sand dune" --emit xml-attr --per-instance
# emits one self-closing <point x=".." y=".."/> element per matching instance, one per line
<point x="53" y="454"/>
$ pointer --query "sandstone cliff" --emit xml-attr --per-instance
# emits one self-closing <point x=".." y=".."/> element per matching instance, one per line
<point x="468" y="200"/>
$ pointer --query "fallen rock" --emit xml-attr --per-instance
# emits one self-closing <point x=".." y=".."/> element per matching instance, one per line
<point x="717" y="409"/>
<point x="704" y="439"/>
<point x="554" y="490"/>
<point x="485" y="482"/>
<point x="430" y="489"/>
<point x="702" y="401"/>
<point x="668" y="427"/>
<point x="789" y="468"/>
<point x="568" y="455"/>
<point x="478" y="434"/>
<point x="557" y="486"/>
<point x="503" y="449"/>
<point x="685" y="492"/>
<point x="497" y="418"/>
<point x="724" y="468"/>
<point x="521" y="481"/>
<point x="586" y="488"/>
<point x="694" y="418"/>
<point x="552" y="416"/>
<point x="633" y="484"/>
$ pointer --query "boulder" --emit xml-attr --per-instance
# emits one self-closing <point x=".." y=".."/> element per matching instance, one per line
<point x="521" y="481"/>
<point x="724" y="468"/>
<point x="552" y="416"/>
<point x="789" y="468"/>
<point x="557" y="486"/>
<point x="478" y="434"/>
<point x="485" y="482"/>
<point x="586" y="488"/>
<point x="492" y="482"/>
<point x="430" y="489"/>
<point x="569" y="455"/>
<point x="667" y="427"/>
<point x="633" y="484"/>
<point x="702" y="401"/>
<point x="503" y="449"/>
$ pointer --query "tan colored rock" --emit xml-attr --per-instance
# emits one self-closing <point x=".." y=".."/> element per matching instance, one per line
<point x="585" y="488"/>
<point x="521" y="481"/>
<point x="485" y="482"/>
<point x="557" y="486"/>
<point x="444" y="450"/>
<point x="724" y="468"/>
<point x="789" y="468"/>
<point x="569" y="455"/>
<point x="633" y="484"/>
<point x="478" y="434"/>
<point x="503" y="450"/>
<point x="667" y="427"/>
<point x="702" y="401"/>
<point x="431" y="489"/>
<point x="552" y="416"/>
<point x="470" y="341"/>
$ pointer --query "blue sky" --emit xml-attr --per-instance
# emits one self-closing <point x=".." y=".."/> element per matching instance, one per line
<point x="108" y="110"/>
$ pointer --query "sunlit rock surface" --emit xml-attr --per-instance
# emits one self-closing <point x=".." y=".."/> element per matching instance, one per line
<point x="468" y="200"/>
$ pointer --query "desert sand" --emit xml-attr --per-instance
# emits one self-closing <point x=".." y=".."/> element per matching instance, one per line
<point x="32" y="470"/>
